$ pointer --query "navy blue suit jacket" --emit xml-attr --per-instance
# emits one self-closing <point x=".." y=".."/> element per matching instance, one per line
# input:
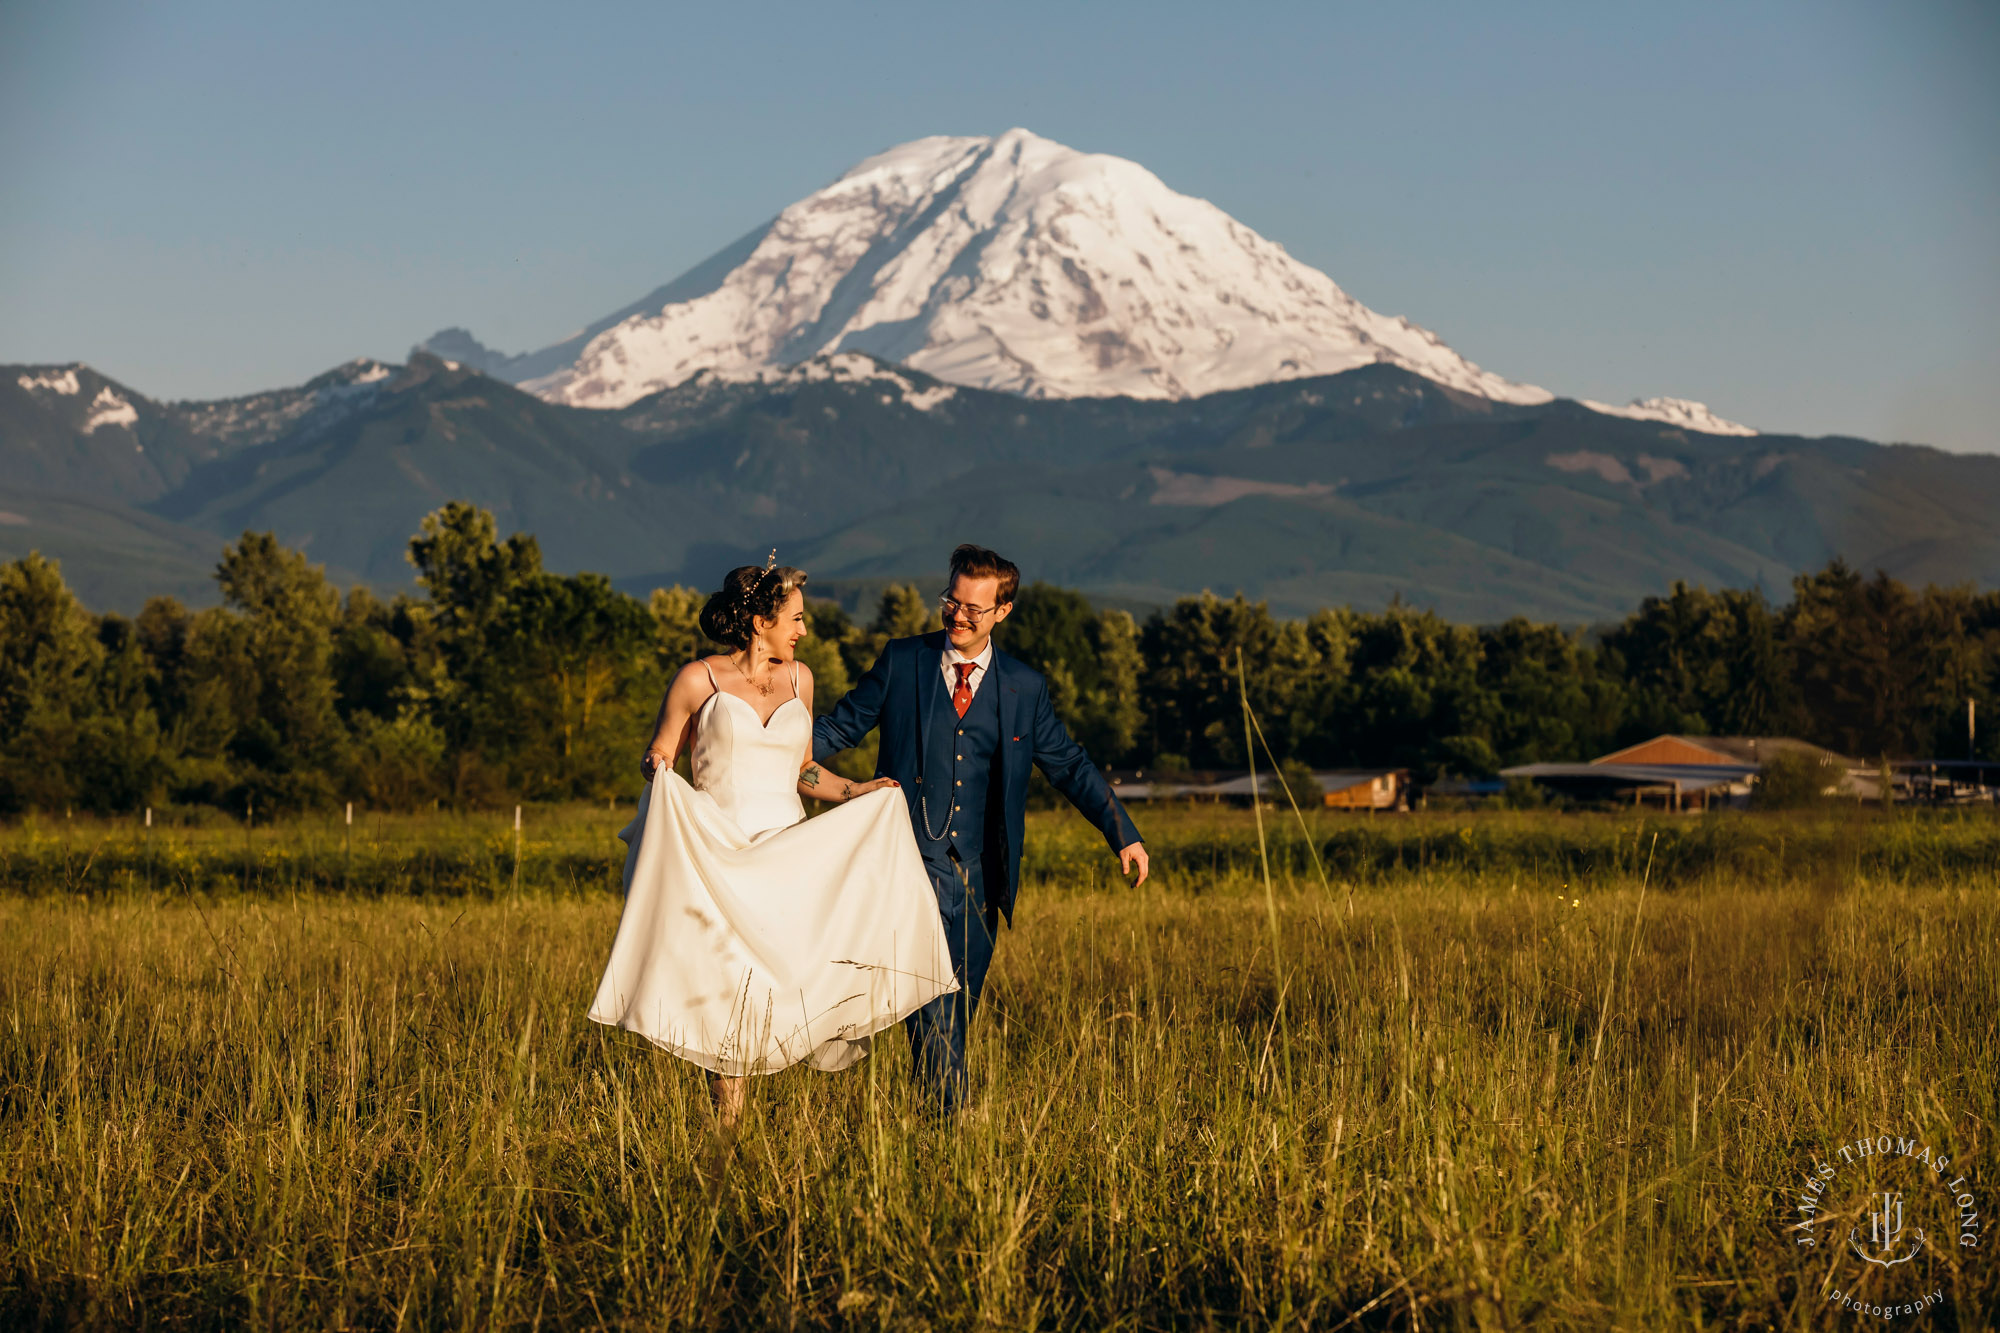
<point x="904" y="692"/>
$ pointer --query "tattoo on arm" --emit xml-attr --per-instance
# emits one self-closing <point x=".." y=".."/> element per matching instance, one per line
<point x="811" y="776"/>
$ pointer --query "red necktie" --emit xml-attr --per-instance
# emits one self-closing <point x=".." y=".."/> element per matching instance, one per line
<point x="961" y="698"/>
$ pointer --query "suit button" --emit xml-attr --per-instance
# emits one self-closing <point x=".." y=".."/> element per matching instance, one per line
<point x="961" y="756"/>
<point x="958" y="784"/>
<point x="961" y="731"/>
<point x="955" y="809"/>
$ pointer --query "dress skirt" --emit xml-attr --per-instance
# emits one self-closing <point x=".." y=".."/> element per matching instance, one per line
<point x="748" y="951"/>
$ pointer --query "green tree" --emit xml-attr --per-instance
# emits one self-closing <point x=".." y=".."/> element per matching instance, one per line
<point x="291" y="734"/>
<point x="1863" y="649"/>
<point x="1417" y="700"/>
<point x="471" y="578"/>
<point x="901" y="613"/>
<point x="1977" y="679"/>
<point x="572" y="681"/>
<point x="1550" y="700"/>
<point x="1664" y="651"/>
<point x="677" y="636"/>
<point x="48" y="648"/>
<point x="1959" y="662"/>
<point x="467" y="572"/>
<point x="370" y="661"/>
<point x="396" y="763"/>
<point x="119" y="759"/>
<point x="1701" y="662"/>
<point x="49" y="658"/>
<point x="1091" y="661"/>
<point x="1759" y="689"/>
<point x="1048" y="627"/>
<point x="1191" y="685"/>
<point x="1319" y="705"/>
<point x="1112" y="712"/>
<point x="821" y="651"/>
<point x="832" y="626"/>
<point x="162" y="629"/>
<point x="839" y="651"/>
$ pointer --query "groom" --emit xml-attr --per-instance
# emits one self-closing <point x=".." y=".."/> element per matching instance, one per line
<point x="961" y="722"/>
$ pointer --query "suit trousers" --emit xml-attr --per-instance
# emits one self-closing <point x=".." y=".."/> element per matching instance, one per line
<point x="937" y="1031"/>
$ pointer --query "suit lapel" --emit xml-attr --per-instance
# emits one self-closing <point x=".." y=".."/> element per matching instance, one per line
<point x="930" y="689"/>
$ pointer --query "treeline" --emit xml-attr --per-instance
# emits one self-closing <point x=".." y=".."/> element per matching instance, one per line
<point x="499" y="680"/>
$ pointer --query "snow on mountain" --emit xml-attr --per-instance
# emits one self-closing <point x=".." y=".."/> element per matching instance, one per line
<point x="109" y="409"/>
<point x="1682" y="412"/>
<point x="1017" y="264"/>
<point x="259" y="418"/>
<point x="61" y="381"/>
<point x="857" y="368"/>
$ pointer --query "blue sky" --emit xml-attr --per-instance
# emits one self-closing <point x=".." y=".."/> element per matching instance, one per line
<point x="1787" y="210"/>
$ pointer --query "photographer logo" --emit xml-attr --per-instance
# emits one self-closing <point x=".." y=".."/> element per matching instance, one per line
<point x="1900" y="1205"/>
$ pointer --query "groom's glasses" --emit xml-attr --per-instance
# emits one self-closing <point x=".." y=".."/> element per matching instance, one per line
<point x="953" y="609"/>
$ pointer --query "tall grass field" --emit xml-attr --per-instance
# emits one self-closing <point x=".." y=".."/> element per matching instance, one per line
<point x="1492" y="1071"/>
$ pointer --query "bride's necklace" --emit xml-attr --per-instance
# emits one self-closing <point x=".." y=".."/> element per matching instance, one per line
<point x="763" y="687"/>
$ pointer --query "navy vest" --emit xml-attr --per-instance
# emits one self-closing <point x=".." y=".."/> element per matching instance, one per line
<point x="957" y="774"/>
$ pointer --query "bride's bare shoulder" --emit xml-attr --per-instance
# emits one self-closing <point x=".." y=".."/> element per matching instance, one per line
<point x="696" y="679"/>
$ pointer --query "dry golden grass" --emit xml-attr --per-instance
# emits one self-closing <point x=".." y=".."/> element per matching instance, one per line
<point x="1472" y="1100"/>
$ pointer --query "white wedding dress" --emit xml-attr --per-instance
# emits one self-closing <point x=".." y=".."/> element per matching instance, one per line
<point x="754" y="937"/>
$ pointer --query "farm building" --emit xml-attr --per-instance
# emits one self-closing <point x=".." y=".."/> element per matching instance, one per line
<point x="1371" y="789"/>
<point x="1727" y="751"/>
<point x="1682" y="772"/>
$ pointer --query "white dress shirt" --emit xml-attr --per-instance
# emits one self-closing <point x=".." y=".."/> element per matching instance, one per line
<point x="952" y="657"/>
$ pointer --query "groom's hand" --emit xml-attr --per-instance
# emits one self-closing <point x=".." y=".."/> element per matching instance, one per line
<point x="1134" y="855"/>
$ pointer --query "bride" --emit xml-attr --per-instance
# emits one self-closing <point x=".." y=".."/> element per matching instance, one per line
<point x="752" y="937"/>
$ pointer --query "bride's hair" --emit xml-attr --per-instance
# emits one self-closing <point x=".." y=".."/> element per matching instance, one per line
<point x="750" y="591"/>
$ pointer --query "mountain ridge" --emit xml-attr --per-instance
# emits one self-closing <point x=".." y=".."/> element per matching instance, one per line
<point x="1373" y="483"/>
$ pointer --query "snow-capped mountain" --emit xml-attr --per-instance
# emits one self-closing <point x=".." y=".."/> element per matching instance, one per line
<point x="1682" y="412"/>
<point x="1009" y="263"/>
<point x="68" y="425"/>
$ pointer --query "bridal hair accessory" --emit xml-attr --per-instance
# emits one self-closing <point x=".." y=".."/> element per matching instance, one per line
<point x="751" y="593"/>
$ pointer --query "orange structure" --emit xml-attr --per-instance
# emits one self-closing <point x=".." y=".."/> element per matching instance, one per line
<point x="1717" y="750"/>
<point x="1382" y="789"/>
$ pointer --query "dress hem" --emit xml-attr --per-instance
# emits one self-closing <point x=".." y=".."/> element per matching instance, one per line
<point x="715" y="1064"/>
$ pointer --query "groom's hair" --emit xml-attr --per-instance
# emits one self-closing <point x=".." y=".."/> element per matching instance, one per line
<point x="976" y="562"/>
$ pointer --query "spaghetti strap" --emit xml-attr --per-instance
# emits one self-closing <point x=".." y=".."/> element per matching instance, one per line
<point x="795" y="679"/>
<point x="713" y="683"/>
